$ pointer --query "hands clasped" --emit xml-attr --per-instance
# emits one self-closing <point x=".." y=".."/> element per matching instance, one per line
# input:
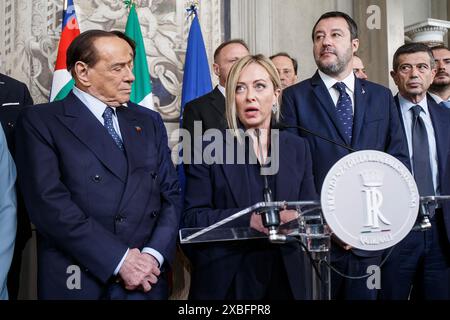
<point x="139" y="271"/>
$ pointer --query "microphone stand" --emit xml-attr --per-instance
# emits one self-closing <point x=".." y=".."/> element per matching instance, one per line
<point x="270" y="216"/>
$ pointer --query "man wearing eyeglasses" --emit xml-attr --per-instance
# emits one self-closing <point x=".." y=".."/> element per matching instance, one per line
<point x="418" y="266"/>
<point x="287" y="68"/>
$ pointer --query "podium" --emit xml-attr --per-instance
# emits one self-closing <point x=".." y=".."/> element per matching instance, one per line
<point x="369" y="200"/>
<point x="309" y="230"/>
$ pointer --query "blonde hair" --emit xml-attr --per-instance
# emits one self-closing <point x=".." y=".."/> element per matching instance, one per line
<point x="232" y="80"/>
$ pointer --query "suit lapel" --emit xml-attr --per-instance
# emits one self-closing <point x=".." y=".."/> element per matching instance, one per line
<point x="284" y="191"/>
<point x="439" y="117"/>
<point x="237" y="178"/>
<point x="360" y="108"/>
<point x="134" y="140"/>
<point x="327" y="103"/>
<point x="217" y="101"/>
<point x="85" y="127"/>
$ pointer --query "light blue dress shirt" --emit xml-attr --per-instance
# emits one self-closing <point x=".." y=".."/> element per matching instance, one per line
<point x="407" y="115"/>
<point x="97" y="108"/>
<point x="8" y="212"/>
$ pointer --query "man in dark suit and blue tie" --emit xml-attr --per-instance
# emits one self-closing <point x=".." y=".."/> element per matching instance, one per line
<point x="350" y="111"/>
<point x="98" y="181"/>
<point x="418" y="266"/>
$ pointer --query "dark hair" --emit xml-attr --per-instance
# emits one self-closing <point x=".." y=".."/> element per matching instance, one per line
<point x="83" y="49"/>
<point x="352" y="26"/>
<point x="232" y="41"/>
<point x="440" y="47"/>
<point x="410" y="48"/>
<point x="284" y="54"/>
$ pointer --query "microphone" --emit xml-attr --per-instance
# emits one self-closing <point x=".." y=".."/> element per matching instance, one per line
<point x="282" y="126"/>
<point x="270" y="216"/>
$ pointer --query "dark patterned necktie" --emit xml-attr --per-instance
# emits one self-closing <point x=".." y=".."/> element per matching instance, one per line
<point x="344" y="110"/>
<point x="107" y="115"/>
<point x="421" y="154"/>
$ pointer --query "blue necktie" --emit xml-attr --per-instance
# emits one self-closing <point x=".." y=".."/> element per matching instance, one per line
<point x="344" y="110"/>
<point x="445" y="104"/>
<point x="107" y="115"/>
<point x="421" y="156"/>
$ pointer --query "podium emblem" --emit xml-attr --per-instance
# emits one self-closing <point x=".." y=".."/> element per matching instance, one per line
<point x="370" y="200"/>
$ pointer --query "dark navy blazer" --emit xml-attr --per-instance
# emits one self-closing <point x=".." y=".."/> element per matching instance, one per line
<point x="88" y="201"/>
<point x="13" y="96"/>
<point x="214" y="192"/>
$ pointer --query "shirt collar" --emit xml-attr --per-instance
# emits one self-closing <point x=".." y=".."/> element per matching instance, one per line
<point x="436" y="98"/>
<point x="349" y="81"/>
<point x="221" y="89"/>
<point x="406" y="105"/>
<point x="96" y="106"/>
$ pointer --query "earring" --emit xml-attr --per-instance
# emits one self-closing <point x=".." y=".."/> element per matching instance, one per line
<point x="274" y="108"/>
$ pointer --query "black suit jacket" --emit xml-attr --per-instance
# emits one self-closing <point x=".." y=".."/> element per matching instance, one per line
<point x="216" y="191"/>
<point x="209" y="109"/>
<point x="13" y="96"/>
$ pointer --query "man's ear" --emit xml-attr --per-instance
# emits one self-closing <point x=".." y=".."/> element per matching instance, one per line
<point x="355" y="45"/>
<point x="393" y="75"/>
<point x="216" y="69"/>
<point x="81" y="71"/>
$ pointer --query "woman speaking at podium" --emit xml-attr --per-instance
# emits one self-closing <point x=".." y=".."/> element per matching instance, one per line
<point x="225" y="183"/>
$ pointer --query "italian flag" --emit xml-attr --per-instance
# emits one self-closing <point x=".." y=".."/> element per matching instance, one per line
<point x="141" y="90"/>
<point x="62" y="79"/>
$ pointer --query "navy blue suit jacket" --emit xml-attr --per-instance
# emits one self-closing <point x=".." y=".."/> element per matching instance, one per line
<point x="89" y="203"/>
<point x="440" y="117"/>
<point x="215" y="192"/>
<point x="376" y="124"/>
<point x="13" y="96"/>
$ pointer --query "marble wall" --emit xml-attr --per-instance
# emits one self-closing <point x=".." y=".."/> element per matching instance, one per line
<point x="30" y="33"/>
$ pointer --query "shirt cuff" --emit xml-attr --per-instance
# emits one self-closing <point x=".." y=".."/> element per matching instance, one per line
<point x="155" y="254"/>
<point x="121" y="263"/>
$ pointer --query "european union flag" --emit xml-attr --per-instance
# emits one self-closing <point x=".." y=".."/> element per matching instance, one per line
<point x="196" y="77"/>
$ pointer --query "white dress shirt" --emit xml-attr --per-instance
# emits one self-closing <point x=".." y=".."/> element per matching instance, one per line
<point x="221" y="89"/>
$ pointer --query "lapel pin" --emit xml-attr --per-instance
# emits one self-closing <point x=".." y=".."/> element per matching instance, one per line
<point x="138" y="129"/>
